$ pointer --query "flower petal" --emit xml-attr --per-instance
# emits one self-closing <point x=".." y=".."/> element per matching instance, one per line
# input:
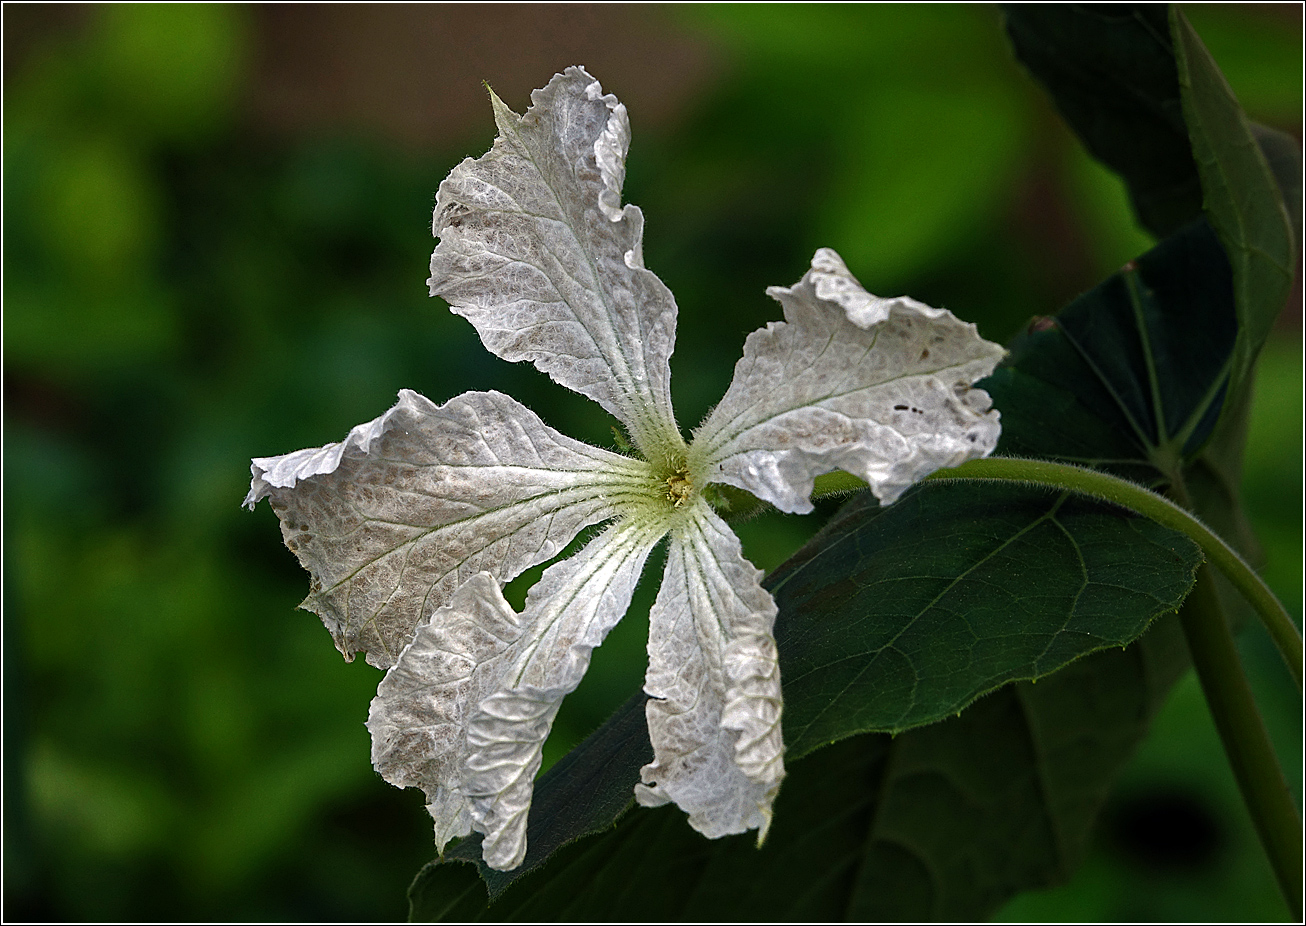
<point x="714" y="717"/>
<point x="465" y="711"/>
<point x="880" y="388"/>
<point x="389" y="521"/>
<point x="568" y="613"/>
<point x="418" y="717"/>
<point x="536" y="251"/>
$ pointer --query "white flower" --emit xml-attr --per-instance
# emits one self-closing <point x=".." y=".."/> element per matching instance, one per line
<point x="409" y="525"/>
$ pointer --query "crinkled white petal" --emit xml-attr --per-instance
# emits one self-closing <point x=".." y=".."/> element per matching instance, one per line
<point x="878" y="388"/>
<point x="536" y="251"/>
<point x="465" y="711"/>
<point x="270" y="473"/>
<point x="568" y="613"/>
<point x="831" y="281"/>
<point x="419" y="715"/>
<point x="610" y="152"/>
<point x="714" y="714"/>
<point x="391" y="520"/>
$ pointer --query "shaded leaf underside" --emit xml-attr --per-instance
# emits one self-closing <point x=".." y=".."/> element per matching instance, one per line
<point x="1111" y="73"/>
<point x="1130" y="376"/>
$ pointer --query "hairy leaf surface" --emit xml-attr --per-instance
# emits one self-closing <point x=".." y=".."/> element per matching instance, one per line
<point x="899" y="617"/>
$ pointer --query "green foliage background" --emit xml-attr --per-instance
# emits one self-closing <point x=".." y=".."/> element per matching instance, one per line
<point x="184" y="288"/>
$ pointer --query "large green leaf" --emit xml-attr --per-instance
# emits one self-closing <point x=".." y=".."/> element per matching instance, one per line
<point x="943" y="822"/>
<point x="898" y="617"/>
<point x="878" y="633"/>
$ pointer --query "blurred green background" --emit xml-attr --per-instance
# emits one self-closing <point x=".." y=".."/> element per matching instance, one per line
<point x="217" y="230"/>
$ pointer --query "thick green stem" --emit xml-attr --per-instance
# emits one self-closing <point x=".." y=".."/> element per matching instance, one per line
<point x="1247" y="745"/>
<point x="1233" y="708"/>
<point x="1089" y="482"/>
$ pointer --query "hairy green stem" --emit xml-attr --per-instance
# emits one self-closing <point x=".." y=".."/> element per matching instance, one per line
<point x="1129" y="495"/>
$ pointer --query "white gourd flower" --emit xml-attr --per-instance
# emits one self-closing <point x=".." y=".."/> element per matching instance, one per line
<point x="409" y="526"/>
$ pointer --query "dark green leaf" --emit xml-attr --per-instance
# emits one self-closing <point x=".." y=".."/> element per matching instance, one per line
<point x="943" y="822"/>
<point x="1061" y="394"/>
<point x="898" y="617"/>
<point x="1130" y="375"/>
<point x="1242" y="198"/>
<point x="878" y="633"/>
<point x="1111" y="73"/>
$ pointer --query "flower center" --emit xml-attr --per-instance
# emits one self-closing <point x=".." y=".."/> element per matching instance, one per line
<point x="679" y="486"/>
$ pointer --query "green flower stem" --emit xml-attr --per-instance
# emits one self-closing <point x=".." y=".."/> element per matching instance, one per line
<point x="1144" y="501"/>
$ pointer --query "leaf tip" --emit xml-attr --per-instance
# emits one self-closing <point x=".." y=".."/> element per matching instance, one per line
<point x="504" y="117"/>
